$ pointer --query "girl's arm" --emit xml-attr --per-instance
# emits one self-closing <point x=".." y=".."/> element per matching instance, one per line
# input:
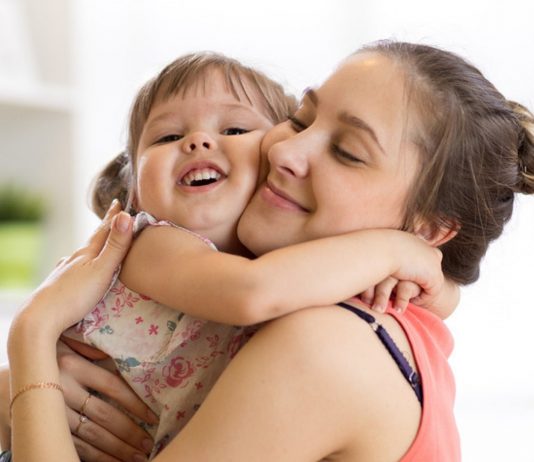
<point x="178" y="270"/>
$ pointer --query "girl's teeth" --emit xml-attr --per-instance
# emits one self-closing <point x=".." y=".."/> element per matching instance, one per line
<point x="200" y="175"/>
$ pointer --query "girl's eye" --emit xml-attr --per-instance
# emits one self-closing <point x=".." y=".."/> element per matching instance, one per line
<point x="169" y="138"/>
<point x="296" y="124"/>
<point x="347" y="156"/>
<point x="234" y="131"/>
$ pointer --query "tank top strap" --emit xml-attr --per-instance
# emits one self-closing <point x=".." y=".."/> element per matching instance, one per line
<point x="407" y="371"/>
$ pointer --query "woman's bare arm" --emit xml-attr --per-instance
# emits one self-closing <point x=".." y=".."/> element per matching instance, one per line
<point x="301" y="390"/>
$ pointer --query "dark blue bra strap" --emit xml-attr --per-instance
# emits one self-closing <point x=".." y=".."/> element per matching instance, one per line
<point x="409" y="374"/>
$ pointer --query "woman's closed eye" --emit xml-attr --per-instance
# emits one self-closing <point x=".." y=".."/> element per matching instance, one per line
<point x="296" y="124"/>
<point x="345" y="156"/>
<point x="232" y="131"/>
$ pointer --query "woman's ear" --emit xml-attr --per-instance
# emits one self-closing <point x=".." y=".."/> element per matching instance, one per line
<point x="436" y="233"/>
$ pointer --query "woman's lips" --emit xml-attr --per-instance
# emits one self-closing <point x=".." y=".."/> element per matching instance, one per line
<point x="279" y="199"/>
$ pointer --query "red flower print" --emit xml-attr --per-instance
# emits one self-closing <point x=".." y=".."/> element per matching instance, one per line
<point x="139" y="320"/>
<point x="180" y="415"/>
<point x="153" y="329"/>
<point x="177" y="371"/>
<point x="199" y="385"/>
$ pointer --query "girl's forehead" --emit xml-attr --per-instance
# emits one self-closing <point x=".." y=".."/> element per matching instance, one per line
<point x="210" y="83"/>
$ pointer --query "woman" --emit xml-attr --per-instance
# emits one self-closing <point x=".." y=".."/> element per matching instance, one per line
<point x="401" y="136"/>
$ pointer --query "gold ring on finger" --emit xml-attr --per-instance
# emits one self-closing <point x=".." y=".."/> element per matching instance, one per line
<point x="84" y="405"/>
<point x="83" y="418"/>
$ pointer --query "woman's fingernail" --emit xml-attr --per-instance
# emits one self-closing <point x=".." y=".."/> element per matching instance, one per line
<point x="139" y="458"/>
<point x="151" y="417"/>
<point x="147" y="444"/>
<point x="122" y="222"/>
<point x="112" y="206"/>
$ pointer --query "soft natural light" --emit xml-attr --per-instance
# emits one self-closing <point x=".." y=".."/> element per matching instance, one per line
<point x="108" y="48"/>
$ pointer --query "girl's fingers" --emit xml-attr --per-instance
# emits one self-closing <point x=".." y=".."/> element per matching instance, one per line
<point x="368" y="296"/>
<point x="405" y="291"/>
<point x="383" y="293"/>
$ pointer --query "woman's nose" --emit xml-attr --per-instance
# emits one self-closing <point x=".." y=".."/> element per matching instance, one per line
<point x="290" y="157"/>
<point x="198" y="141"/>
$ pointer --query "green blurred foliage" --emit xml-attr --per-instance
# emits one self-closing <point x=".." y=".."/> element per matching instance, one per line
<point x="20" y="204"/>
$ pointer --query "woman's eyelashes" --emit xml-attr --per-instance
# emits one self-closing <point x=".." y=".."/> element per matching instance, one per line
<point x="296" y="124"/>
<point x="345" y="156"/>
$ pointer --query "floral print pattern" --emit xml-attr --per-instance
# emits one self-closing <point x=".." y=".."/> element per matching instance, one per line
<point x="170" y="359"/>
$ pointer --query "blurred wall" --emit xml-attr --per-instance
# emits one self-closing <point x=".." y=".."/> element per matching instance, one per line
<point x="115" y="45"/>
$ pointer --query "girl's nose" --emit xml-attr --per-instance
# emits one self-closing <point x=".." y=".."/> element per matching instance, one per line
<point x="198" y="141"/>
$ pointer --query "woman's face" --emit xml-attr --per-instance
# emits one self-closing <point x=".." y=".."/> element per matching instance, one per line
<point x="341" y="164"/>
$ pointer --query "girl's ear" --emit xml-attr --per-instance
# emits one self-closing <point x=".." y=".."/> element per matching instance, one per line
<point x="436" y="234"/>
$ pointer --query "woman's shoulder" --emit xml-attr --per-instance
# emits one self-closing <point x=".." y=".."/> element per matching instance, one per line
<point x="338" y="366"/>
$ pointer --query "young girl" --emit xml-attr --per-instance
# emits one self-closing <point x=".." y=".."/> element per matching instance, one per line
<point x="193" y="163"/>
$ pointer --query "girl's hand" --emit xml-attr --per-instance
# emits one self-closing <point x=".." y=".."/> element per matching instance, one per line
<point x="402" y="293"/>
<point x="109" y="434"/>
<point x="78" y="282"/>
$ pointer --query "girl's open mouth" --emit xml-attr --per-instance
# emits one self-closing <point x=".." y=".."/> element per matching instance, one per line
<point x="200" y="177"/>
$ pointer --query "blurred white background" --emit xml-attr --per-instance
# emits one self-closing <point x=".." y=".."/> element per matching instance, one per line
<point x="63" y="115"/>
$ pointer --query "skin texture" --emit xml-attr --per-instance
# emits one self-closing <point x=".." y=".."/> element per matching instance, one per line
<point x="334" y="175"/>
<point x="205" y="127"/>
<point x="281" y="395"/>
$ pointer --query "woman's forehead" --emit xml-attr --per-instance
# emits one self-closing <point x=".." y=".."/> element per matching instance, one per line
<point x="369" y="87"/>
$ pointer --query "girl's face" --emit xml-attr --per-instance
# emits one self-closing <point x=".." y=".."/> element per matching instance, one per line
<point x="198" y="159"/>
<point x="342" y="163"/>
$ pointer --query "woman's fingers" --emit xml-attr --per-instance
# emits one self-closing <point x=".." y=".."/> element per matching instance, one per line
<point x="118" y="425"/>
<point x="112" y="386"/>
<point x="118" y="241"/>
<point x="78" y="375"/>
<point x="97" y="441"/>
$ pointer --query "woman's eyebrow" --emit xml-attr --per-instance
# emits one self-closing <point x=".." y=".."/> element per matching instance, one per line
<point x="311" y="95"/>
<point x="360" y="124"/>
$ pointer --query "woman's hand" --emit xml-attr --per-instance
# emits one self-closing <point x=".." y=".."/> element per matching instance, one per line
<point x="78" y="282"/>
<point x="108" y="434"/>
<point x="5" y="430"/>
<point x="74" y="287"/>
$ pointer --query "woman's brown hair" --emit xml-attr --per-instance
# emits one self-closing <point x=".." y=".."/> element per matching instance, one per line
<point x="116" y="179"/>
<point x="476" y="150"/>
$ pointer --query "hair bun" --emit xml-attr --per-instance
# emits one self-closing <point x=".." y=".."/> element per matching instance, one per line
<point x="525" y="148"/>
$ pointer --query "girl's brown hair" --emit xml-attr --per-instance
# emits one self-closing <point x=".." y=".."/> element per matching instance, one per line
<point x="476" y="151"/>
<point x="116" y="179"/>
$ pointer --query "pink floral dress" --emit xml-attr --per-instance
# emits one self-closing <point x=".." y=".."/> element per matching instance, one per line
<point x="170" y="359"/>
